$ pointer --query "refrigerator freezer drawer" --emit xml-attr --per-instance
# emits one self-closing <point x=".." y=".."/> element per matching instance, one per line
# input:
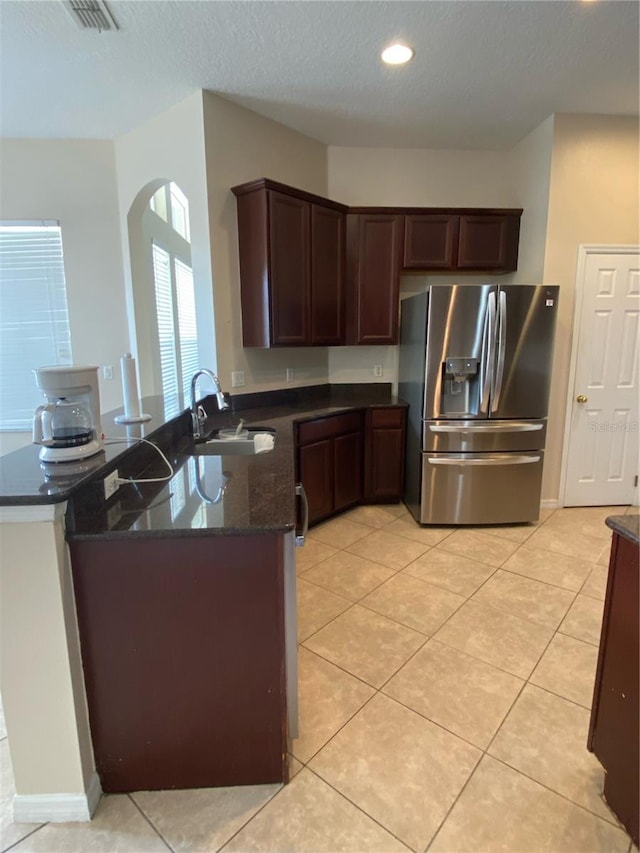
<point x="483" y="436"/>
<point x="488" y="488"/>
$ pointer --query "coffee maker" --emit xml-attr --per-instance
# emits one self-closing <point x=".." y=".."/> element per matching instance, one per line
<point x="68" y="426"/>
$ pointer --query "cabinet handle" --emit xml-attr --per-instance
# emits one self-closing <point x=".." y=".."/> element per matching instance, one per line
<point x="300" y="537"/>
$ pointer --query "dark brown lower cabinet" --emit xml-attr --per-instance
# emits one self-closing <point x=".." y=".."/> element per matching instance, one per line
<point x="329" y="462"/>
<point x="613" y="732"/>
<point x="384" y="454"/>
<point x="183" y="650"/>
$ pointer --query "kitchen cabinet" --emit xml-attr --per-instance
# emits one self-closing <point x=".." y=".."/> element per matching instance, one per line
<point x="330" y="463"/>
<point x="292" y="266"/>
<point x="469" y="241"/>
<point x="613" y="730"/>
<point x="183" y="650"/>
<point x="384" y="454"/>
<point x="374" y="258"/>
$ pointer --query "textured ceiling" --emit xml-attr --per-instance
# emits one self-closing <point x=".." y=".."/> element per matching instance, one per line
<point x="485" y="72"/>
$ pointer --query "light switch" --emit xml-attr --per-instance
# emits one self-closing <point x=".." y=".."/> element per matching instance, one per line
<point x="237" y="378"/>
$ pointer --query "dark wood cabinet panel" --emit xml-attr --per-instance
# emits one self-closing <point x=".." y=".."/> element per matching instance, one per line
<point x="183" y="644"/>
<point x="314" y="272"/>
<point x="330" y="462"/>
<point x="289" y="269"/>
<point x="374" y="257"/>
<point x="292" y="266"/>
<point x="347" y="470"/>
<point x="315" y="471"/>
<point x="488" y="242"/>
<point x="430" y="241"/>
<point x="384" y="454"/>
<point x="613" y="731"/>
<point x="327" y="276"/>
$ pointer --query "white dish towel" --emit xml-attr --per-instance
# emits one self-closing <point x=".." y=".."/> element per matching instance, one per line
<point x="263" y="441"/>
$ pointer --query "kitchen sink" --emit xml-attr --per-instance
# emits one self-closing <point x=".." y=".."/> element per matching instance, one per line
<point x="247" y="445"/>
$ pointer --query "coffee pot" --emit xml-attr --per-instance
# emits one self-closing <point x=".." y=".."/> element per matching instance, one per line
<point x="67" y="426"/>
<point x="62" y="424"/>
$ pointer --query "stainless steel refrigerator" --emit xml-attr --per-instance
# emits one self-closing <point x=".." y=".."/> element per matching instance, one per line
<point x="475" y="369"/>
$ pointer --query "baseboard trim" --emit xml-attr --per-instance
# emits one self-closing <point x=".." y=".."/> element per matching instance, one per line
<point x="57" y="808"/>
<point x="551" y="503"/>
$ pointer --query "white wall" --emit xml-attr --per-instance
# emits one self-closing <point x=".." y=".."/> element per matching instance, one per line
<point x="169" y="147"/>
<point x="74" y="181"/>
<point x="593" y="199"/>
<point x="242" y="146"/>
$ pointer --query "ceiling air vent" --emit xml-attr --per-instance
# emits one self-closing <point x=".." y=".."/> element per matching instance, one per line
<point x="91" y="14"/>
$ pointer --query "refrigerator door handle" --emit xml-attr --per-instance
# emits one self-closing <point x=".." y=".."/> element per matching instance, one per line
<point x="502" y="427"/>
<point x="506" y="459"/>
<point x="496" y="389"/>
<point x="488" y="352"/>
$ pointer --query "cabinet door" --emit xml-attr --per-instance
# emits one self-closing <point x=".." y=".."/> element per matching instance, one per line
<point x="489" y="242"/>
<point x="375" y="249"/>
<point x="289" y="269"/>
<point x="384" y="454"/>
<point x="316" y="475"/>
<point x="327" y="275"/>
<point x="348" y="470"/>
<point x="430" y="241"/>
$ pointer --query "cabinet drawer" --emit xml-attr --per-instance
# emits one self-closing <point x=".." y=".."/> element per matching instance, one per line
<point x="381" y="418"/>
<point x="320" y="428"/>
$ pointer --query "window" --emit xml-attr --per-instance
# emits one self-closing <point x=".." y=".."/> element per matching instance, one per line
<point x="175" y="305"/>
<point x="34" y="321"/>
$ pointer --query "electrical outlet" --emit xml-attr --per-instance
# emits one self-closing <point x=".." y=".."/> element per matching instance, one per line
<point x="377" y="370"/>
<point x="289" y="374"/>
<point x="237" y="378"/>
<point x="111" y="484"/>
<point x="107" y="371"/>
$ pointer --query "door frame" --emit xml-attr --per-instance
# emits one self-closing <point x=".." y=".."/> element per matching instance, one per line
<point x="584" y="251"/>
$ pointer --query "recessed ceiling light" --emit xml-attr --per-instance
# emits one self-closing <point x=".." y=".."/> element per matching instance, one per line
<point x="397" y="54"/>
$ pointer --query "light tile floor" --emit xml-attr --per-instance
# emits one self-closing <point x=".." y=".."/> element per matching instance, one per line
<point x="446" y="678"/>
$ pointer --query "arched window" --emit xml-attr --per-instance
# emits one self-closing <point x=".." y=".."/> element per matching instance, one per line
<point x="166" y="224"/>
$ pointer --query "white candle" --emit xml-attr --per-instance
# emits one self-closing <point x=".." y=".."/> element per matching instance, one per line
<point x="130" y="386"/>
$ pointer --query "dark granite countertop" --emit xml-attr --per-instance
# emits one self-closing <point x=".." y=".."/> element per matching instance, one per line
<point x="626" y="525"/>
<point x="258" y="490"/>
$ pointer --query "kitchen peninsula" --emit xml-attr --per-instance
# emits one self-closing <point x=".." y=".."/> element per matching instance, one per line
<point x="226" y="522"/>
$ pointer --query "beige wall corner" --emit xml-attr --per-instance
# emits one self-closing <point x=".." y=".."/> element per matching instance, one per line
<point x="529" y="165"/>
<point x="169" y="147"/>
<point x="40" y="664"/>
<point x="241" y="146"/>
<point x="593" y="199"/>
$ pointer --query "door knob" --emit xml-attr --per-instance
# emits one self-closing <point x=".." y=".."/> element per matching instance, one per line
<point x="581" y="398"/>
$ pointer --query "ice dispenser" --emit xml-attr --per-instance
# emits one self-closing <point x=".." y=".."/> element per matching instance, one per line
<point x="460" y="392"/>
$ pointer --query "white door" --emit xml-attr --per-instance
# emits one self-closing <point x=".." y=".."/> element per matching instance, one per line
<point x="602" y="456"/>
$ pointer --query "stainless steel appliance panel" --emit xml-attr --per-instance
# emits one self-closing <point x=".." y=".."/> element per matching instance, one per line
<point x="411" y="372"/>
<point x="485" y="488"/>
<point x="524" y="351"/>
<point x="487" y="436"/>
<point x="456" y="329"/>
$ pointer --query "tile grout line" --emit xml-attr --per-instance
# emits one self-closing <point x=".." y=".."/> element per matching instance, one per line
<point x="148" y="820"/>
<point x="24" y="838"/>
<point x="360" y="809"/>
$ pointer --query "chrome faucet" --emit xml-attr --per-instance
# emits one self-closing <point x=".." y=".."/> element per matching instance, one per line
<point x="197" y="412"/>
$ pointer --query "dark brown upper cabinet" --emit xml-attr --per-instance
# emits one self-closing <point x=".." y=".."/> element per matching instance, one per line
<point x="430" y="241"/>
<point x="292" y="260"/>
<point x="466" y="241"/>
<point x="374" y="258"/>
<point x="314" y="272"/>
<point x="489" y="242"/>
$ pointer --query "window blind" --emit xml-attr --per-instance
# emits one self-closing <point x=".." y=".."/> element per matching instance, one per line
<point x="165" y="321"/>
<point x="34" y="320"/>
